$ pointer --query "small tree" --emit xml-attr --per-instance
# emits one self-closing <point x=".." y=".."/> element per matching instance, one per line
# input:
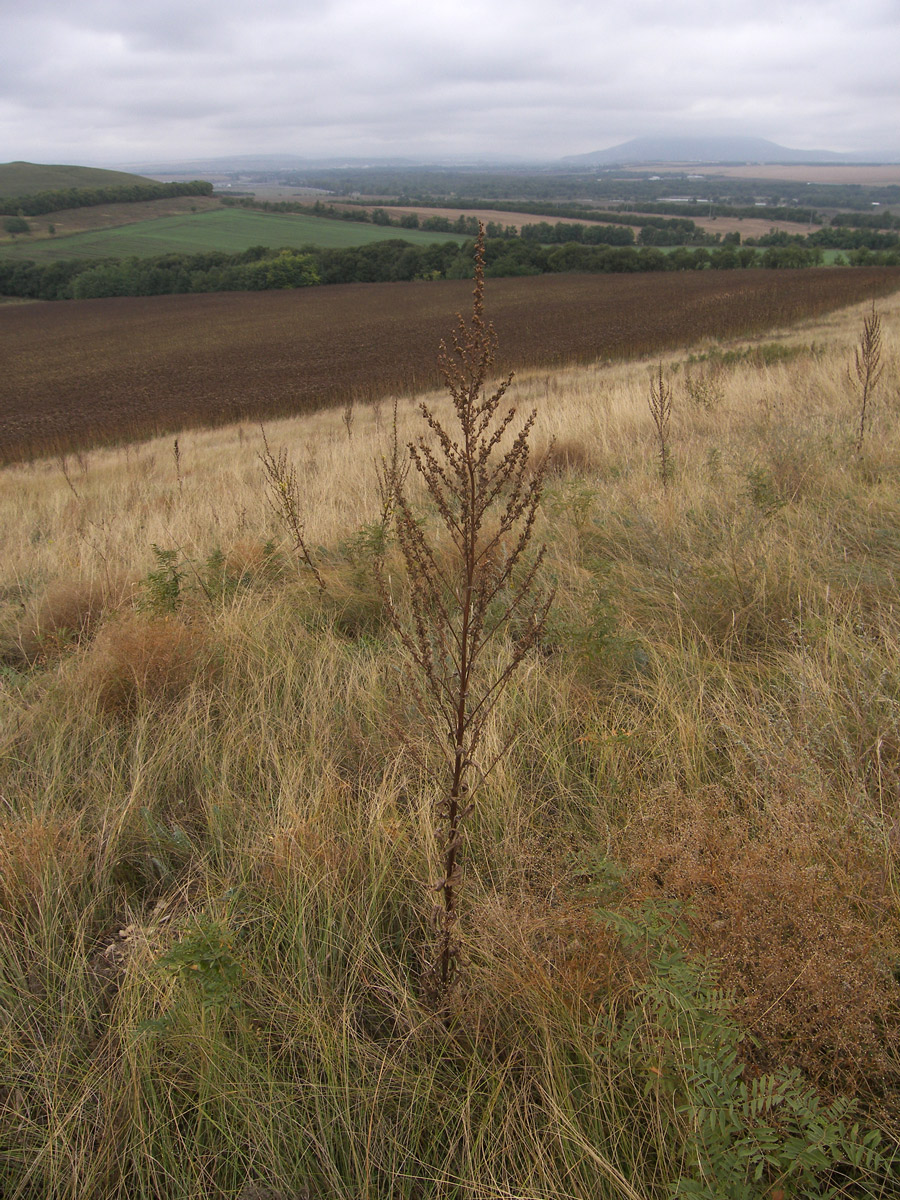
<point x="469" y="587"/>
<point x="16" y="225"/>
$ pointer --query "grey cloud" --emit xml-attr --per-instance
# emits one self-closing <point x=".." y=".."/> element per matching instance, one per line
<point x="165" y="78"/>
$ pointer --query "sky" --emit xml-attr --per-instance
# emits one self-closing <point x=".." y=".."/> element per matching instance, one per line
<point x="102" y="82"/>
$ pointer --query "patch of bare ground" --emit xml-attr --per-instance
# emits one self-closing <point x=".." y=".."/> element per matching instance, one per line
<point x="98" y="371"/>
<point x="751" y="226"/>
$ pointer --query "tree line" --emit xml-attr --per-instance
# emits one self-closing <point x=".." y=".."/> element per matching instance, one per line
<point x="262" y="268"/>
<point x="40" y="203"/>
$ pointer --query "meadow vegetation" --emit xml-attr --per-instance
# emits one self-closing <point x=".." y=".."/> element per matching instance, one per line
<point x="680" y="930"/>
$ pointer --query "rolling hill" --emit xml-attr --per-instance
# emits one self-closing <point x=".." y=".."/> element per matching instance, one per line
<point x="25" y="178"/>
<point x="702" y="150"/>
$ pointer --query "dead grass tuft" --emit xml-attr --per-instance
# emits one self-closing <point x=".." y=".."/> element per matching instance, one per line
<point x="157" y="660"/>
<point x="69" y="611"/>
<point x="569" y="456"/>
<point x="41" y="857"/>
<point x="797" y="912"/>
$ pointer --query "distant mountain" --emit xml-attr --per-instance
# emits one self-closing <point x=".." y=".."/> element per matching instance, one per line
<point x="697" y="150"/>
<point x="25" y="178"/>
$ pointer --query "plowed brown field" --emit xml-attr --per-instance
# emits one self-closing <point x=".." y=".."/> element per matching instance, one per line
<point x="74" y="374"/>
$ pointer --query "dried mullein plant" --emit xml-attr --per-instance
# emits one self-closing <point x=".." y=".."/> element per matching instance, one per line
<point x="475" y="608"/>
<point x="867" y="368"/>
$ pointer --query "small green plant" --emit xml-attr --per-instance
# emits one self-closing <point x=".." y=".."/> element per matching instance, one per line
<point x="714" y="462"/>
<point x="660" y="404"/>
<point x="163" y="586"/>
<point x="703" y="388"/>
<point x="761" y="490"/>
<point x="469" y="587"/>
<point x="576" y="501"/>
<point x="744" y="1137"/>
<point x="867" y="370"/>
<point x="204" y="959"/>
<point x="217" y="581"/>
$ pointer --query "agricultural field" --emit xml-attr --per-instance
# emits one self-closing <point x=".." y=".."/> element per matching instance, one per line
<point x="873" y="175"/>
<point x="69" y="221"/>
<point x="105" y="370"/>
<point x="227" y="229"/>
<point x="220" y="793"/>
<point x="746" y="227"/>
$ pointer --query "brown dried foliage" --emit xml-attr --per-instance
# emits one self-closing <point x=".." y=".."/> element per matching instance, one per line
<point x="868" y="369"/>
<point x="283" y="495"/>
<point x="70" y="611"/>
<point x="40" y="857"/>
<point x="797" y="914"/>
<point x="139" y="659"/>
<point x="466" y="594"/>
<point x="660" y="405"/>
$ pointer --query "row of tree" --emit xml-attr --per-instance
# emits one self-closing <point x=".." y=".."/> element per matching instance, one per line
<point x="605" y="228"/>
<point x="63" y="198"/>
<point x="262" y="268"/>
<point x="831" y="237"/>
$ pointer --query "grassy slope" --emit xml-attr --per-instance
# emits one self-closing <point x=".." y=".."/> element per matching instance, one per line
<point x="715" y="720"/>
<point x="24" y="178"/>
<point x="223" y="229"/>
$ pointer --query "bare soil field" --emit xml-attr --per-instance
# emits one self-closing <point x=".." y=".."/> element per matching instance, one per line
<point x="84" y="373"/>
<point x="751" y="226"/>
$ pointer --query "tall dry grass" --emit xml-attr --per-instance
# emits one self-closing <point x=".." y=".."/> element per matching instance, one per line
<point x="216" y="826"/>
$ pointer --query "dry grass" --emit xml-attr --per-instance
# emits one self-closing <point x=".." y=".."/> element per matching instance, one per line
<point x="712" y="721"/>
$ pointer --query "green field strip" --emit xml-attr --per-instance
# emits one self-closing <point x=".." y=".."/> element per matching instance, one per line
<point x="229" y="230"/>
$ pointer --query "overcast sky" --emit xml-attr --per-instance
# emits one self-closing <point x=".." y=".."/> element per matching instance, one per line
<point x="104" y="81"/>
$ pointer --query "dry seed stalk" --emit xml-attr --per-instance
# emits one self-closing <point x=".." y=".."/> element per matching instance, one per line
<point x="283" y="495"/>
<point x="464" y="599"/>
<point x="660" y="402"/>
<point x="868" y="368"/>
<point x="391" y="471"/>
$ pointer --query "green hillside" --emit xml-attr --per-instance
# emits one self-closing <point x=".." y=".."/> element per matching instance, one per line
<point x="25" y="178"/>
<point x="231" y="230"/>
